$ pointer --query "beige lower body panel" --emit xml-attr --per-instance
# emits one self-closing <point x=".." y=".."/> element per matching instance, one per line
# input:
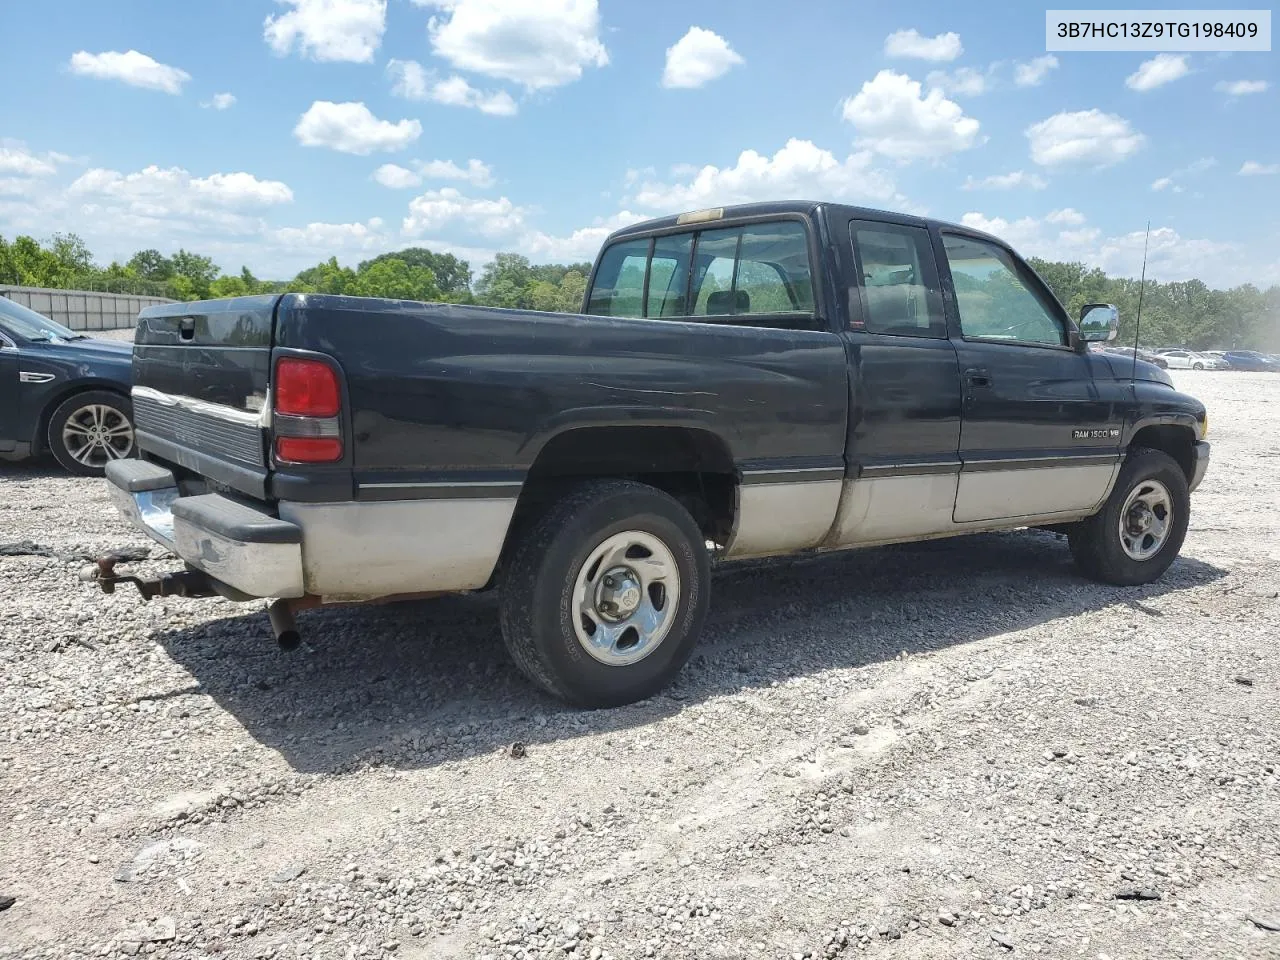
<point x="893" y="508"/>
<point x="996" y="494"/>
<point x="780" y="518"/>
<point x="376" y="549"/>
<point x="776" y="518"/>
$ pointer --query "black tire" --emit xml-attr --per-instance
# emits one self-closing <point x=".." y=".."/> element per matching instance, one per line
<point x="1096" y="543"/>
<point x="91" y="459"/>
<point x="540" y="572"/>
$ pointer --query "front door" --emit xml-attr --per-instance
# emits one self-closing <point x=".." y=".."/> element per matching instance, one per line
<point x="1036" y="437"/>
<point x="9" y="412"/>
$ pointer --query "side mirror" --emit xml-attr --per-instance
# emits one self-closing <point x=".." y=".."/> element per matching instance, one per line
<point x="1099" y="322"/>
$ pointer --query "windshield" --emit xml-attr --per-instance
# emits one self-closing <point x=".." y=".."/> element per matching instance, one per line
<point x="29" y="325"/>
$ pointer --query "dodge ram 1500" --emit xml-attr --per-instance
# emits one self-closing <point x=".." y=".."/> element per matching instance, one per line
<point x="748" y="381"/>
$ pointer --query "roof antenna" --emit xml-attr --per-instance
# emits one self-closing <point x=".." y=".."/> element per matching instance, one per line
<point x="1137" y="324"/>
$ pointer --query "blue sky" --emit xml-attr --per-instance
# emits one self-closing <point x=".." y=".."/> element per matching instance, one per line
<point x="273" y="133"/>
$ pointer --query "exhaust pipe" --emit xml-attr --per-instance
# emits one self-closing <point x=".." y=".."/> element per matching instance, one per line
<point x="280" y="613"/>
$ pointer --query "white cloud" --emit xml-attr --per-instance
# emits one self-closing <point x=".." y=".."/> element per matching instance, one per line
<point x="1170" y="182"/>
<point x="1241" y="88"/>
<point x="396" y="177"/>
<point x="909" y="43"/>
<point x="581" y="244"/>
<point x="1251" y="168"/>
<point x="1066" y="215"/>
<point x="1033" y="72"/>
<point x="220" y="101"/>
<point x="328" y="30"/>
<point x="352" y="128"/>
<point x="1161" y="69"/>
<point x="329" y="239"/>
<point x="799" y="169"/>
<point x="893" y="118"/>
<point x="697" y="58"/>
<point x="537" y="43"/>
<point x="155" y="186"/>
<point x="1083" y="137"/>
<point x="1171" y="257"/>
<point x="1007" y="181"/>
<point x="476" y="172"/>
<point x="131" y="67"/>
<point x="413" y="82"/>
<point x="15" y="158"/>
<point x="448" y="206"/>
<point x="963" y="81"/>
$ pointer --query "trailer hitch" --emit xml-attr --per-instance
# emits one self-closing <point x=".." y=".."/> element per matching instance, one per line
<point x="181" y="583"/>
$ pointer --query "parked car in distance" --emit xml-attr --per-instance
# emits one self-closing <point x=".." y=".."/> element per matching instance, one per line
<point x="62" y="392"/>
<point x="1251" y="360"/>
<point x="1190" y="360"/>
<point x="750" y="381"/>
<point x="1144" y="355"/>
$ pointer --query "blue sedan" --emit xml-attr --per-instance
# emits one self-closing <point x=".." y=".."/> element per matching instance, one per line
<point x="62" y="392"/>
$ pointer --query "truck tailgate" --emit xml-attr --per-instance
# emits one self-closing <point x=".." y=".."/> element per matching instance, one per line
<point x="200" y="373"/>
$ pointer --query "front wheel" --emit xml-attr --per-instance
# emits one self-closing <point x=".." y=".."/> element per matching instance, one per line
<point x="1139" y="530"/>
<point x="604" y="594"/>
<point x="1197" y="366"/>
<point x="89" y="430"/>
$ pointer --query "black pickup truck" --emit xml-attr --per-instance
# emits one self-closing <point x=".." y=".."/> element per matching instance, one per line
<point x="748" y="381"/>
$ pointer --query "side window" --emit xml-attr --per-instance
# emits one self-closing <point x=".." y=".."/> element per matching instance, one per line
<point x="758" y="269"/>
<point x="993" y="300"/>
<point x="900" y="293"/>
<point x="669" y="276"/>
<point x="717" y="255"/>
<point x="619" y="284"/>
<point x="773" y="269"/>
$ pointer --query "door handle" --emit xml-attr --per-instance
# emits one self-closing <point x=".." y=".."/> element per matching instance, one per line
<point x="977" y="378"/>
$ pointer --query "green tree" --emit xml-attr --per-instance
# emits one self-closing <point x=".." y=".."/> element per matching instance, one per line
<point x="396" y="280"/>
<point x="151" y="265"/>
<point x="452" y="276"/>
<point x="325" y="277"/>
<point x="504" y="281"/>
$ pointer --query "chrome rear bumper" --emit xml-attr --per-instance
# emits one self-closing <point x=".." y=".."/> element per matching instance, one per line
<point x="236" y="543"/>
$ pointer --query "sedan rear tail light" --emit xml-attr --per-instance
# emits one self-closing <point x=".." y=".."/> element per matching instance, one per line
<point x="307" y="401"/>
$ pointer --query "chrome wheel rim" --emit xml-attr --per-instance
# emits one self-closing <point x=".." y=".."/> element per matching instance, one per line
<point x="96" y="434"/>
<point x="1146" y="520"/>
<point x="625" y="598"/>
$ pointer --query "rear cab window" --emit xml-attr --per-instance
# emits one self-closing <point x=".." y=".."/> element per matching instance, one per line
<point x="755" y="274"/>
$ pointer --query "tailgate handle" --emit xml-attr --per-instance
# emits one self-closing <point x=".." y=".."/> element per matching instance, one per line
<point x="187" y="328"/>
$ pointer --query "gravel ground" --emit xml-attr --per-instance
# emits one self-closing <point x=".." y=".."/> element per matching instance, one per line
<point x="957" y="749"/>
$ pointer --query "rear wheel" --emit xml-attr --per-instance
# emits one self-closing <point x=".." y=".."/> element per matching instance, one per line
<point x="89" y="430"/>
<point x="604" y="594"/>
<point x="1139" y="530"/>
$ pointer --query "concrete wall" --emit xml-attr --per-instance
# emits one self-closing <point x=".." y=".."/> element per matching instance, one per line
<point x="83" y="309"/>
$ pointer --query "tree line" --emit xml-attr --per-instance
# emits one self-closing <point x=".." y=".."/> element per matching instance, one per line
<point x="1184" y="313"/>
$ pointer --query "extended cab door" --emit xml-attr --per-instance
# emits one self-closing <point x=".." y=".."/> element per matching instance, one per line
<point x="902" y="452"/>
<point x="1037" y="439"/>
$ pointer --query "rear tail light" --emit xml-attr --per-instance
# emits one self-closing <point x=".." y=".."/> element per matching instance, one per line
<point x="308" y="449"/>
<point x="307" y="401"/>
<point x="306" y="388"/>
